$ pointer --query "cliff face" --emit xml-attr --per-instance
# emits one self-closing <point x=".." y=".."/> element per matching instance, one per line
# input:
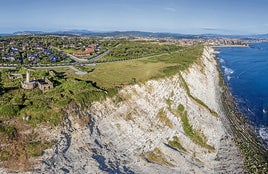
<point x="171" y="125"/>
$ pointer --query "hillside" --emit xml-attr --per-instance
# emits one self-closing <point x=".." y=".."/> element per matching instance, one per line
<point x="174" y="124"/>
<point x="158" y="114"/>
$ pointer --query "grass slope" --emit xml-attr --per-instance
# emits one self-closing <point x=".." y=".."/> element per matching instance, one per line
<point x="122" y="73"/>
<point x="69" y="88"/>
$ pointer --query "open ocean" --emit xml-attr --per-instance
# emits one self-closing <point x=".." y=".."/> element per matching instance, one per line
<point x="245" y="71"/>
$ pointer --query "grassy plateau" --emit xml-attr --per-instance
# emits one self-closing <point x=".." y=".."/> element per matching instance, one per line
<point x="145" y="61"/>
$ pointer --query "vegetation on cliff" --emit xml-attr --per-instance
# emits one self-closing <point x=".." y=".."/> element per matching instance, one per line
<point x="23" y="110"/>
<point x="196" y="136"/>
<point x="156" y="156"/>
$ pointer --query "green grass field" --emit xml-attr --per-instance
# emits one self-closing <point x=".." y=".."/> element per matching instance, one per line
<point x="115" y="74"/>
<point x="83" y="90"/>
<point x="132" y="50"/>
<point x="127" y="63"/>
<point x="69" y="50"/>
<point x="102" y="81"/>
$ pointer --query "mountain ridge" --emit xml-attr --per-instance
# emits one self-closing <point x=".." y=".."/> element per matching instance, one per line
<point x="77" y="32"/>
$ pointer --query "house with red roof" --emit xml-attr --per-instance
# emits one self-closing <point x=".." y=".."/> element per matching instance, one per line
<point x="86" y="52"/>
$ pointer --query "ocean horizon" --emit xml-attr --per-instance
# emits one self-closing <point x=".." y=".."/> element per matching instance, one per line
<point x="245" y="71"/>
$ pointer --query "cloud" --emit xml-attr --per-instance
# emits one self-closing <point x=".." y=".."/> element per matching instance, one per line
<point x="170" y="9"/>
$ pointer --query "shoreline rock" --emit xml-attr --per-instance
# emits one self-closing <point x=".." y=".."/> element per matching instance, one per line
<point x="254" y="153"/>
<point x="251" y="146"/>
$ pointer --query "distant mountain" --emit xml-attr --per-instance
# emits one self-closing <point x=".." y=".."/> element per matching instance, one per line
<point x="139" y="34"/>
<point x="135" y="33"/>
<point x="28" y="32"/>
<point x="5" y="34"/>
<point x="107" y="34"/>
<point x="73" y="32"/>
<point x="211" y="35"/>
<point x="260" y="36"/>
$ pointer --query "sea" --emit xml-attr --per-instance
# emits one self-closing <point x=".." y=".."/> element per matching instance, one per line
<point x="245" y="71"/>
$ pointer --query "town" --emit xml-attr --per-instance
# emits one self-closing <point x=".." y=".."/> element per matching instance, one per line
<point x="35" y="50"/>
<point x="62" y="50"/>
<point x="50" y="52"/>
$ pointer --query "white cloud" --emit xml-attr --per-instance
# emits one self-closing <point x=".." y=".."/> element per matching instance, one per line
<point x="170" y="9"/>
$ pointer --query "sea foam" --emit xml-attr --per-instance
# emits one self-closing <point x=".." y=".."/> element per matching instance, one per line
<point x="221" y="61"/>
<point x="227" y="71"/>
<point x="263" y="131"/>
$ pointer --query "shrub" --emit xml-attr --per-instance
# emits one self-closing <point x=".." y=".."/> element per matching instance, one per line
<point x="175" y="143"/>
<point x="162" y="116"/>
<point x="9" y="110"/>
<point x="4" y="155"/>
<point x="180" y="108"/>
<point x="36" y="148"/>
<point x="8" y="130"/>
<point x="156" y="156"/>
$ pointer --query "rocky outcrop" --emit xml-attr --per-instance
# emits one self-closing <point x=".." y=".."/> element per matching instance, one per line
<point x="171" y="125"/>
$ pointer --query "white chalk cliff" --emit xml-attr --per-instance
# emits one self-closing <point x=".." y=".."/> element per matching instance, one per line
<point x="131" y="133"/>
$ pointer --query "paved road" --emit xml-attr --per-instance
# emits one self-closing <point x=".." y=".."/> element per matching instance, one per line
<point x="7" y="67"/>
<point x="77" y="71"/>
<point x="99" y="56"/>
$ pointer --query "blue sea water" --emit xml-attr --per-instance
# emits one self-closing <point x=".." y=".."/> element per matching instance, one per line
<point x="245" y="71"/>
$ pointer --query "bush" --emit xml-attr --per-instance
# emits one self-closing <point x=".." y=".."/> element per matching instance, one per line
<point x="36" y="148"/>
<point x="39" y="115"/>
<point x="156" y="156"/>
<point x="180" y="108"/>
<point x="4" y="155"/>
<point x="162" y="116"/>
<point x="175" y="143"/>
<point x="8" y="130"/>
<point x="9" y="110"/>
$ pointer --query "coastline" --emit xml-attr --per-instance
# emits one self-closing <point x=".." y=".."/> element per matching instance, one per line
<point x="254" y="153"/>
<point x="226" y="46"/>
<point x="107" y="120"/>
<point x="226" y="160"/>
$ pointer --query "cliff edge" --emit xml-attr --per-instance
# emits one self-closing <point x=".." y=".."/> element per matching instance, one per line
<point x="170" y="125"/>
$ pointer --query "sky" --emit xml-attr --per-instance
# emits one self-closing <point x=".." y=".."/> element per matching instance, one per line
<point x="175" y="16"/>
